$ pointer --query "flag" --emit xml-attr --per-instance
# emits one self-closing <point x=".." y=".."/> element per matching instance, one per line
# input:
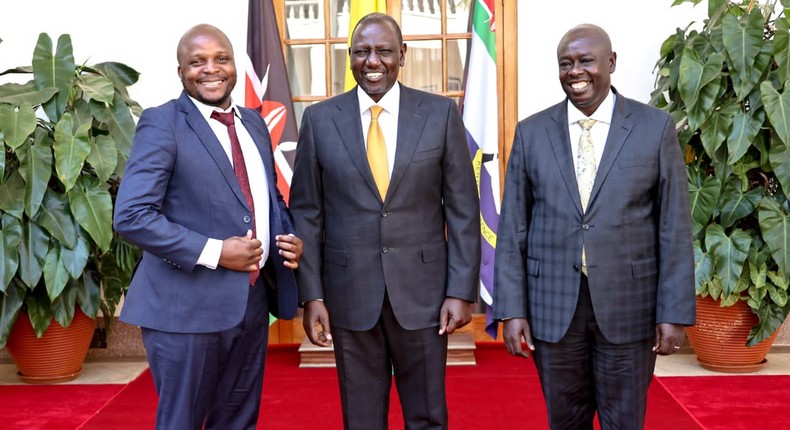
<point x="267" y="89"/>
<point x="357" y="10"/>
<point x="481" y="119"/>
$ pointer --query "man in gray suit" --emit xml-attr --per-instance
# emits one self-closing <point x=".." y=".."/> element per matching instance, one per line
<point x="595" y="290"/>
<point x="390" y="263"/>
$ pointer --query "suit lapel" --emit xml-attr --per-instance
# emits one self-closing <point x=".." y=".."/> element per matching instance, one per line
<point x="411" y="121"/>
<point x="349" y="128"/>
<point x="209" y="140"/>
<point x="561" y="145"/>
<point x="618" y="132"/>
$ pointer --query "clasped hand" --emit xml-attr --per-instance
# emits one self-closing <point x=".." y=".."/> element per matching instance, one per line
<point x="243" y="253"/>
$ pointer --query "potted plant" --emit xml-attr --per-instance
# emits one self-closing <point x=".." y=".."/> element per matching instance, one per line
<point x="66" y="135"/>
<point x="727" y="86"/>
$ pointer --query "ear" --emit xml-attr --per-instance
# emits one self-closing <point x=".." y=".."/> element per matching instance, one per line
<point x="612" y="62"/>
<point x="402" y="55"/>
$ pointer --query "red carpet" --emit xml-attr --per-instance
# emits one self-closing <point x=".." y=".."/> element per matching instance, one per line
<point x="499" y="392"/>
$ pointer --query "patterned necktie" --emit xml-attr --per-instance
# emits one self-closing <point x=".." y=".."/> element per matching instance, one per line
<point x="377" y="152"/>
<point x="585" y="171"/>
<point x="240" y="168"/>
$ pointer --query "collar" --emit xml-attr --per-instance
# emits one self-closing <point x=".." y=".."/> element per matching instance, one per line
<point x="390" y="102"/>
<point x="205" y="110"/>
<point x="602" y="114"/>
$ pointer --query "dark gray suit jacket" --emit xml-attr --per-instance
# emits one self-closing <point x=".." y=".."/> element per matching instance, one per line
<point x="422" y="244"/>
<point x="178" y="190"/>
<point x="636" y="230"/>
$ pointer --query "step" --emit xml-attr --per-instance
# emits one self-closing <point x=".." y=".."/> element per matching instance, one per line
<point x="460" y="352"/>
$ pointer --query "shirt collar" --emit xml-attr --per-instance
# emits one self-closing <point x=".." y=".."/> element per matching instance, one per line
<point x="602" y="114"/>
<point x="206" y="110"/>
<point x="390" y="102"/>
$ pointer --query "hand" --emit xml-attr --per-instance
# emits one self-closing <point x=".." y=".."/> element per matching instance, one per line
<point x="290" y="249"/>
<point x="316" y="323"/>
<point x="242" y="254"/>
<point x="455" y="314"/>
<point x="669" y="337"/>
<point x="513" y="331"/>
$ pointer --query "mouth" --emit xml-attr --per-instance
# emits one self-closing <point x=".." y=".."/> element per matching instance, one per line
<point x="578" y="86"/>
<point x="374" y="76"/>
<point x="212" y="83"/>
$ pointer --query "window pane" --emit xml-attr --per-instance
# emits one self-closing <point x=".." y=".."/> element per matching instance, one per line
<point x="421" y="17"/>
<point x="458" y="16"/>
<point x="456" y="59"/>
<point x="304" y="19"/>
<point x="339" y="66"/>
<point x="307" y="70"/>
<point x="299" y="108"/>
<point x="423" y="69"/>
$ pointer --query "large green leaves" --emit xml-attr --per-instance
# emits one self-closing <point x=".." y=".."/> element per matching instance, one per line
<point x="777" y="105"/>
<point x="33" y="250"/>
<point x="782" y="49"/>
<point x="10" y="236"/>
<point x="56" y="219"/>
<point x="703" y="194"/>
<point x="743" y="40"/>
<point x="35" y="165"/>
<point x="10" y="191"/>
<point x="71" y="149"/>
<point x="699" y="84"/>
<point x="745" y="127"/>
<point x="25" y="94"/>
<point x="738" y="202"/>
<point x="730" y="252"/>
<point x="775" y="228"/>
<point x="54" y="69"/>
<point x="17" y="123"/>
<point x="91" y="205"/>
<point x="103" y="157"/>
<point x="10" y="304"/>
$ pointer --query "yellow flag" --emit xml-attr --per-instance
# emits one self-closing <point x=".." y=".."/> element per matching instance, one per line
<point x="357" y="10"/>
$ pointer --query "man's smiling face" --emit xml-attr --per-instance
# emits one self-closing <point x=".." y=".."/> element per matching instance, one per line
<point x="586" y="61"/>
<point x="206" y="67"/>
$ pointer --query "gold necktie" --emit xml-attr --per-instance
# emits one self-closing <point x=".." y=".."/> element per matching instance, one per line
<point x="585" y="171"/>
<point x="377" y="152"/>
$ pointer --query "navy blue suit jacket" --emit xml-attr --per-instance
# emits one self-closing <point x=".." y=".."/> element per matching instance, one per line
<point x="178" y="190"/>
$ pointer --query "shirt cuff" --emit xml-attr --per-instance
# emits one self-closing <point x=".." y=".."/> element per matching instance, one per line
<point x="211" y="253"/>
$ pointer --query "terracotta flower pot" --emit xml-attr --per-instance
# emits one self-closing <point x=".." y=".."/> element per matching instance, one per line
<point x="55" y="357"/>
<point x="719" y="338"/>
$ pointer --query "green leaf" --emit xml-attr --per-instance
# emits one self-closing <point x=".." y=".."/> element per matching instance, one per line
<point x="121" y="74"/>
<point x="115" y="282"/>
<point x="10" y="304"/>
<point x="55" y="274"/>
<point x="56" y="219"/>
<point x="71" y="149"/>
<point x="703" y="198"/>
<point x="25" y="94"/>
<point x="54" y="69"/>
<point x="730" y="253"/>
<point x="103" y="157"/>
<point x="782" y="49"/>
<point x="716" y="129"/>
<point x="17" y="124"/>
<point x="777" y="105"/>
<point x="91" y="205"/>
<point x="703" y="268"/>
<point x="699" y="84"/>
<point x="737" y="203"/>
<point x="745" y="127"/>
<point x="88" y="294"/>
<point x="33" y="250"/>
<point x="775" y="228"/>
<point x="96" y="87"/>
<point x="122" y="127"/>
<point x="39" y="310"/>
<point x="64" y="305"/>
<point x="75" y="259"/>
<point x="10" y="236"/>
<point x="35" y="165"/>
<point x="771" y="317"/>
<point x="780" y="162"/>
<point x="743" y="40"/>
<point x="10" y="191"/>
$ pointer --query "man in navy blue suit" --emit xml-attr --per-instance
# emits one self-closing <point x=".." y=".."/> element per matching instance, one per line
<point x="219" y="249"/>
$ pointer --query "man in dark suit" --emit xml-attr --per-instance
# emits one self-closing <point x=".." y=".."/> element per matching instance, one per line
<point x="390" y="263"/>
<point x="595" y="274"/>
<point x="199" y="198"/>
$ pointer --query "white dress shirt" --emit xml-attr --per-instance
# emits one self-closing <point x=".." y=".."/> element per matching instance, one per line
<point x="388" y="119"/>
<point x="259" y="187"/>
<point x="599" y="131"/>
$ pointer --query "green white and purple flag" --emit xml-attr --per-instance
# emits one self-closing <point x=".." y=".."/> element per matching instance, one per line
<point x="481" y="119"/>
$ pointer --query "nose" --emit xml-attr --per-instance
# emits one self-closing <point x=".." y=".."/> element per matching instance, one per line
<point x="373" y="57"/>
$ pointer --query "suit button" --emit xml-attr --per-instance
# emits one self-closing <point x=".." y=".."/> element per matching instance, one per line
<point x="585" y="226"/>
<point x="247" y="219"/>
<point x="385" y="250"/>
<point x="385" y="214"/>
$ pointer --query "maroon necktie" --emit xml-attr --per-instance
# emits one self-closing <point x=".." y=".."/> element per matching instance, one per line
<point x="240" y="168"/>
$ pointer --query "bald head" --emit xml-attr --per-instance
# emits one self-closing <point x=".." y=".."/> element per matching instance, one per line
<point x="200" y="30"/>
<point x="591" y="32"/>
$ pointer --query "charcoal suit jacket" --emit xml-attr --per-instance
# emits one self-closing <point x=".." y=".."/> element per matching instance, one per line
<point x="420" y="245"/>
<point x="636" y="230"/>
